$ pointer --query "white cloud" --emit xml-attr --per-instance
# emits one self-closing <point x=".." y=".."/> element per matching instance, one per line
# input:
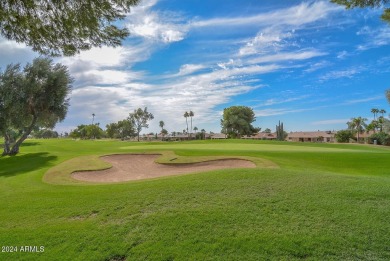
<point x="374" y="98"/>
<point x="330" y="122"/>
<point x="296" y="15"/>
<point x="187" y="69"/>
<point x="317" y="66"/>
<point x="287" y="56"/>
<point x="342" y="55"/>
<point x="166" y="27"/>
<point x="265" y="41"/>
<point x="274" y="101"/>
<point x="333" y="75"/>
<point x="283" y="111"/>
<point x="375" y="37"/>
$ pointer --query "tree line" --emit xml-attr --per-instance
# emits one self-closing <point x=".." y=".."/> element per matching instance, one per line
<point x="129" y="127"/>
<point x="379" y="127"/>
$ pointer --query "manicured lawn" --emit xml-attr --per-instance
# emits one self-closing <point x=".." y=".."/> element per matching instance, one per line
<point x="324" y="202"/>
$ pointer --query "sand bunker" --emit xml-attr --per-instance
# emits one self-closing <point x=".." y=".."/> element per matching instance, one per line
<point x="137" y="167"/>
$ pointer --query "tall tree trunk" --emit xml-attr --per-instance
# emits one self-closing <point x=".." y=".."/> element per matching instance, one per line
<point x="7" y="144"/>
<point x="15" y="148"/>
<point x="191" y="129"/>
<point x="187" y="125"/>
<point x="358" y="132"/>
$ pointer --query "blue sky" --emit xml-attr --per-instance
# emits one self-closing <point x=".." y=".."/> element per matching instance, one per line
<point x="311" y="64"/>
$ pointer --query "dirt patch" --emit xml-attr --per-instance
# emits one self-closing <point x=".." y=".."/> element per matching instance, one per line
<point x="137" y="167"/>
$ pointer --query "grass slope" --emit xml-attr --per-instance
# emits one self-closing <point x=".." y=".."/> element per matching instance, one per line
<point x="325" y="202"/>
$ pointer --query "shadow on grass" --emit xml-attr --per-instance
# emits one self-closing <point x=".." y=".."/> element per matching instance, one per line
<point x="11" y="166"/>
<point x="28" y="144"/>
<point x="24" y="144"/>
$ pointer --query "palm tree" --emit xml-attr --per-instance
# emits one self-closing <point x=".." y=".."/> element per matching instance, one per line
<point x="204" y="133"/>
<point x="191" y="114"/>
<point x="186" y="115"/>
<point x="161" y="123"/>
<point x="380" y="123"/>
<point x="375" y="112"/>
<point x="358" y="124"/>
<point x="195" y="129"/>
<point x="372" y="126"/>
<point x="382" y="111"/>
<point x="93" y="117"/>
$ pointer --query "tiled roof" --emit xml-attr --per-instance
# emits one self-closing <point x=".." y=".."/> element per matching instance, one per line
<point x="311" y="134"/>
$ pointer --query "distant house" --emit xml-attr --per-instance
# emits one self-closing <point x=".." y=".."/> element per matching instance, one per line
<point x="218" y="136"/>
<point x="311" y="136"/>
<point x="261" y="136"/>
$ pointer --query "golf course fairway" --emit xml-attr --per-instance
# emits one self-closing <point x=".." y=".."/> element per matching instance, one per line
<point x="307" y="201"/>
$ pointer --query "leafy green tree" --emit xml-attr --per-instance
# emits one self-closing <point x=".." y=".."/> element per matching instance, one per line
<point x="36" y="97"/>
<point x="344" y="136"/>
<point x="139" y="118"/>
<point x="164" y="132"/>
<point x="367" y="3"/>
<point x="78" y="133"/>
<point x="44" y="134"/>
<point x="125" y="129"/>
<point x="90" y="131"/>
<point x="64" y="27"/>
<point x="281" y="135"/>
<point x="382" y="138"/>
<point x="112" y="130"/>
<point x="93" y="131"/>
<point x="120" y="130"/>
<point x="237" y="121"/>
<point x="386" y="125"/>
<point x="372" y="126"/>
<point x="380" y="123"/>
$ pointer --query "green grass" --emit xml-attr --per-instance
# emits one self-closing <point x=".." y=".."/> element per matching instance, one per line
<point x="324" y="202"/>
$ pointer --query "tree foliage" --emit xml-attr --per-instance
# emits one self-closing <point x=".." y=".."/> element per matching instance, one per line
<point x="358" y="125"/>
<point x="382" y="138"/>
<point x="90" y="131"/>
<point x="44" y="134"/>
<point x="281" y="135"/>
<point x="64" y="27"/>
<point x="237" y="121"/>
<point x="344" y="136"/>
<point x="140" y="118"/>
<point x="387" y="93"/>
<point x="120" y="130"/>
<point x="366" y="3"/>
<point x="32" y="98"/>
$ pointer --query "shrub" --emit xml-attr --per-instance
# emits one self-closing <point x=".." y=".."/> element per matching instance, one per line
<point x="382" y="138"/>
<point x="344" y="136"/>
